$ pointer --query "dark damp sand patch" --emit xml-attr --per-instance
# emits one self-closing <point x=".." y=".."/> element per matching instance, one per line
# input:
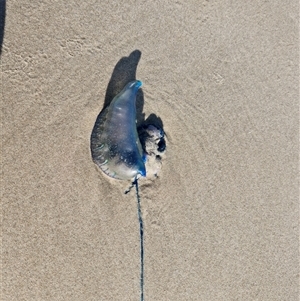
<point x="2" y="22"/>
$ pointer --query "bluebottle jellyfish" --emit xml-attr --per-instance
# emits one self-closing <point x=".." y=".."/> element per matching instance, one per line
<point x="122" y="152"/>
<point x="115" y="144"/>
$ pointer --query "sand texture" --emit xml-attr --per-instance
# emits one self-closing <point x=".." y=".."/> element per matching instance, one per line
<point x="221" y="220"/>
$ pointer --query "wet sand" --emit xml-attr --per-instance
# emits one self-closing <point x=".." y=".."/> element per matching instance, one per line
<point x="221" y="220"/>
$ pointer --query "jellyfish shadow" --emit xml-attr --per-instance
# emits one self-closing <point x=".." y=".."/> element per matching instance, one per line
<point x="123" y="73"/>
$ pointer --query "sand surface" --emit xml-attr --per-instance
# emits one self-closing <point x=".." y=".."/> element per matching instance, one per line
<point x="221" y="221"/>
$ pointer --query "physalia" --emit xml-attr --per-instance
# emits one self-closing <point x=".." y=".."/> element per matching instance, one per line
<point x="116" y="148"/>
<point x="115" y="144"/>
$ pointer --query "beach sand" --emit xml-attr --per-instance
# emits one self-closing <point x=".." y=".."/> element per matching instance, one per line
<point x="221" y="219"/>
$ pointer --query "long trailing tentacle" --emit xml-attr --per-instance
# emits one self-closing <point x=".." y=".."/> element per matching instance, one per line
<point x="135" y="182"/>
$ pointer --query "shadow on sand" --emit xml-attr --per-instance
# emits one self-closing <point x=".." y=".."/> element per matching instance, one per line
<point x="123" y="73"/>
